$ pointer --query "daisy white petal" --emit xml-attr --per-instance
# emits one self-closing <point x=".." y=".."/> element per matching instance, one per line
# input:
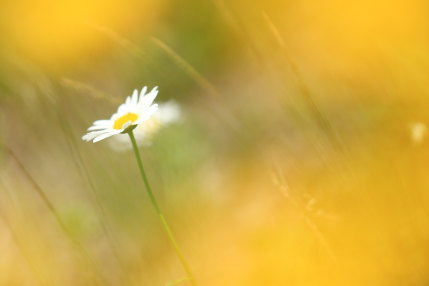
<point x="102" y="122"/>
<point x="106" y="135"/>
<point x="97" y="128"/>
<point x="118" y="114"/>
<point x="148" y="99"/>
<point x="147" y="114"/>
<point x="128" y="99"/>
<point x="142" y="93"/>
<point x="91" y="135"/>
<point x="134" y="98"/>
<point x="123" y="108"/>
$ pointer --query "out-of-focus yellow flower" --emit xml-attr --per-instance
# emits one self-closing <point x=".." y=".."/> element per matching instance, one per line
<point x="137" y="109"/>
<point x="418" y="132"/>
<point x="58" y="35"/>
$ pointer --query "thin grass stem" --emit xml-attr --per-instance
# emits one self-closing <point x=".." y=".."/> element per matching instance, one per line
<point x="103" y="216"/>
<point x="319" y="116"/>
<point x="37" y="277"/>
<point x="76" y="243"/>
<point x="159" y="212"/>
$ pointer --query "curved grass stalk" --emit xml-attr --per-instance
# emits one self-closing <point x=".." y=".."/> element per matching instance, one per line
<point x="102" y="217"/>
<point x="97" y="277"/>
<point x="320" y="117"/>
<point x="37" y="277"/>
<point x="159" y="212"/>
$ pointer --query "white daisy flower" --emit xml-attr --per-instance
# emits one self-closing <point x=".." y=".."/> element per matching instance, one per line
<point x="137" y="108"/>
<point x="168" y="112"/>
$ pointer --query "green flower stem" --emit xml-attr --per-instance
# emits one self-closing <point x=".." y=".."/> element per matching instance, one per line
<point x="158" y="210"/>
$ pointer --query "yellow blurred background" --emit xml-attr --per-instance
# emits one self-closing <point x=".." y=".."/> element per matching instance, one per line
<point x="300" y="157"/>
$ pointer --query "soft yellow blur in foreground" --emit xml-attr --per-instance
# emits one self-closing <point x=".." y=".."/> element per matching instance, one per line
<point x="301" y="157"/>
<point x="60" y="33"/>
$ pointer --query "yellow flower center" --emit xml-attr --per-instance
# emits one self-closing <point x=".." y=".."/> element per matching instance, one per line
<point x="121" y="121"/>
